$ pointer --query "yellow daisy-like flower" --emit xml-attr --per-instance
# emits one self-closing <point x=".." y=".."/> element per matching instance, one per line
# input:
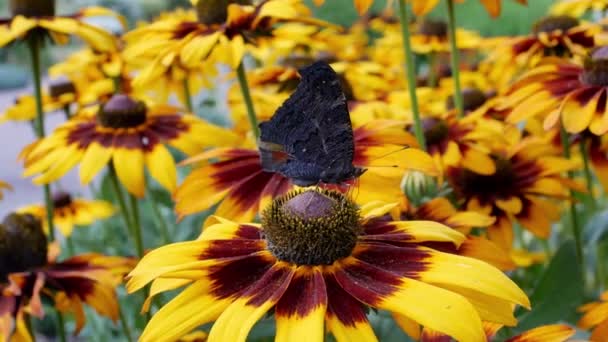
<point x="29" y="273"/>
<point x="422" y="7"/>
<point x="69" y="212"/>
<point x="32" y="16"/>
<point x="595" y="316"/>
<point x="577" y="8"/>
<point x="431" y="36"/>
<point x="4" y="186"/>
<point x="544" y="333"/>
<point x="236" y="273"/>
<point x="126" y="134"/>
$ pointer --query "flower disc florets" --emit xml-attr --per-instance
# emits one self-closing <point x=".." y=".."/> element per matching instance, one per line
<point x="554" y="23"/>
<point x="23" y="244"/>
<point x="215" y="11"/>
<point x="472" y="99"/>
<point x="435" y="130"/>
<point x="61" y="86"/>
<point x="435" y="28"/>
<point x="33" y="8"/>
<point x="596" y="67"/>
<point x="121" y="111"/>
<point x="61" y="200"/>
<point x="311" y="227"/>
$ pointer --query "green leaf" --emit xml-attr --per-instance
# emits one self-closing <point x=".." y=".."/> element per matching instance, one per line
<point x="558" y="293"/>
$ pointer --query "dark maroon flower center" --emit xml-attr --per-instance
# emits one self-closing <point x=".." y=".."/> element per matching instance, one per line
<point x="554" y="23"/>
<point x="435" y="131"/>
<point x="32" y="8"/>
<point x="61" y="200"/>
<point x="215" y="11"/>
<point x="23" y="244"/>
<point x="472" y="99"/>
<point x="436" y="28"/>
<point x="311" y="227"/>
<point x="121" y="111"/>
<point x="596" y="68"/>
<point x="61" y="86"/>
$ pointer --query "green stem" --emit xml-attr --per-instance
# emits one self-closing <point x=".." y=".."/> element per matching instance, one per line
<point x="587" y="171"/>
<point x="410" y="72"/>
<point x="124" y="324"/>
<point x="34" y="43"/>
<point x="546" y="248"/>
<point x="576" y="230"/>
<point x="164" y="228"/>
<point x="188" y="95"/>
<point x="121" y="200"/>
<point x="61" y="327"/>
<point x="242" y="76"/>
<point x="432" y="74"/>
<point x="600" y="271"/>
<point x="137" y="233"/>
<point x="70" y="245"/>
<point x="455" y="59"/>
<point x="66" y="112"/>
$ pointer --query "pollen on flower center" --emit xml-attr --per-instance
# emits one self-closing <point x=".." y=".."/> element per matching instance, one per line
<point x="215" y="11"/>
<point x="436" y="28"/>
<point x="61" y="200"/>
<point x="596" y="67"/>
<point x="121" y="111"/>
<point x="311" y="227"/>
<point x="553" y="23"/>
<point x="32" y="8"/>
<point x="472" y="98"/>
<point x="23" y="244"/>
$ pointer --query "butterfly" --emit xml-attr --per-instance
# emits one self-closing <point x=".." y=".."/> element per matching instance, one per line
<point x="309" y="139"/>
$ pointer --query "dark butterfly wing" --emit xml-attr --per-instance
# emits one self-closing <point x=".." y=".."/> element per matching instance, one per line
<point x="310" y="137"/>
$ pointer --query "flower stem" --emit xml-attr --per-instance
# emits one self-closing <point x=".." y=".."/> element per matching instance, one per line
<point x="432" y="73"/>
<point x="587" y="171"/>
<point x="66" y="112"/>
<point x="35" y="42"/>
<point x="573" y="214"/>
<point x="70" y="245"/>
<point x="137" y="233"/>
<point x="61" y="327"/>
<point x="410" y="72"/>
<point x="240" y="71"/>
<point x="164" y="228"/>
<point x="455" y="59"/>
<point x="124" y="324"/>
<point x="121" y="201"/>
<point x="188" y="95"/>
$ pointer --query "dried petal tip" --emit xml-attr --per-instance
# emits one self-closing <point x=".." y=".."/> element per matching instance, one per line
<point x="311" y="227"/>
<point x="121" y="111"/>
<point x="435" y="28"/>
<point x="23" y="244"/>
<point x="32" y="8"/>
<point x="472" y="99"/>
<point x="61" y="86"/>
<point x="61" y="200"/>
<point x="554" y="23"/>
<point x="215" y="11"/>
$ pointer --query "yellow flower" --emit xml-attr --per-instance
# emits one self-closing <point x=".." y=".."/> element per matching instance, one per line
<point x="129" y="135"/>
<point x="432" y="37"/>
<point x="595" y="316"/>
<point x="361" y="5"/>
<point x="69" y="212"/>
<point x="422" y="7"/>
<point x="577" y="8"/>
<point x="235" y="273"/>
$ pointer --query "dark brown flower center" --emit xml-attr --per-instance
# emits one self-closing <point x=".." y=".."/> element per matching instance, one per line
<point x="33" y="8"/>
<point x="554" y="23"/>
<point x="311" y="227"/>
<point x="61" y="200"/>
<point x="215" y="11"/>
<point x="121" y="111"/>
<point x="435" y="130"/>
<point x="437" y="28"/>
<point x="61" y="86"/>
<point x="23" y="245"/>
<point x="472" y="99"/>
<point x="596" y="68"/>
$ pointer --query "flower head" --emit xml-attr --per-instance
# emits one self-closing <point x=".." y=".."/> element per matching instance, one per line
<point x="596" y="318"/>
<point x="318" y="259"/>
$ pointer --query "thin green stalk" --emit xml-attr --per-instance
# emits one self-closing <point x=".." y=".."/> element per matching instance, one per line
<point x="188" y="95"/>
<point x="70" y="245"/>
<point x="124" y="324"/>
<point x="242" y="76"/>
<point x="121" y="200"/>
<point x="137" y="233"/>
<point x="164" y="228"/>
<point x="576" y="230"/>
<point x="35" y="42"/>
<point x="410" y="72"/>
<point x="547" y="248"/>
<point x="587" y="170"/>
<point x="67" y="112"/>
<point x="61" y="327"/>
<point x="455" y="59"/>
<point x="432" y="74"/>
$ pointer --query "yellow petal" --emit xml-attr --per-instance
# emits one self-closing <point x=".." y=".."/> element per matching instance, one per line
<point x="95" y="158"/>
<point x="129" y="164"/>
<point x="162" y="167"/>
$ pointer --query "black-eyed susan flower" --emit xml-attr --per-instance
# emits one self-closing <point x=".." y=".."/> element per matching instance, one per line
<point x="29" y="273"/>
<point x="422" y="7"/>
<point x="38" y="17"/>
<point x="238" y="181"/>
<point x="127" y="133"/>
<point x="432" y="37"/>
<point x="70" y="212"/>
<point x="595" y="317"/>
<point x="577" y="8"/>
<point x="559" y="90"/>
<point x="320" y="262"/>
<point x="523" y="189"/>
<point x="3" y="187"/>
<point x="544" y="333"/>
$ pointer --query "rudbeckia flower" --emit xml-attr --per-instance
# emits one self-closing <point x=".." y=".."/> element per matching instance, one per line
<point x="69" y="212"/>
<point x="4" y="186"/>
<point x="559" y="90"/>
<point x="432" y="37"/>
<point x="422" y="7"/>
<point x="595" y="316"/>
<point x="127" y="133"/>
<point x="527" y="179"/>
<point x="544" y="333"/>
<point x="30" y="273"/>
<point x="577" y="8"/>
<point x="238" y="181"/>
<point x="38" y="17"/>
<point x="236" y="273"/>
